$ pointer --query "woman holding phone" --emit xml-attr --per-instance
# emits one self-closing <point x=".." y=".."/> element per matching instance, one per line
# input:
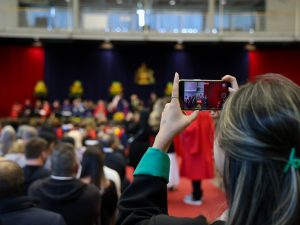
<point x="256" y="149"/>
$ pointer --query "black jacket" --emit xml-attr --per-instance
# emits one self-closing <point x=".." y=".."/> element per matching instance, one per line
<point x="33" y="173"/>
<point x="22" y="211"/>
<point x="144" y="202"/>
<point x="76" y="201"/>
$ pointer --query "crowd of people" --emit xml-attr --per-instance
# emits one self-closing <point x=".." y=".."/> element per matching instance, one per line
<point x="72" y="166"/>
<point x="72" y="159"/>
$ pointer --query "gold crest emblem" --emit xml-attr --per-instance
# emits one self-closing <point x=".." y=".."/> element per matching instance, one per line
<point x="144" y="75"/>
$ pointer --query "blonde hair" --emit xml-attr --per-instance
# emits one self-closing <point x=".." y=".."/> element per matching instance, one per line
<point x="258" y="127"/>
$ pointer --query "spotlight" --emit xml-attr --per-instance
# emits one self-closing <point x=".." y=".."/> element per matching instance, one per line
<point x="107" y="45"/>
<point x="172" y="2"/>
<point x="179" y="46"/>
<point x="214" y="31"/>
<point x="250" y="46"/>
<point x="37" y="43"/>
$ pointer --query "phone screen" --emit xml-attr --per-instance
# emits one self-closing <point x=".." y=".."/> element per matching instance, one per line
<point x="203" y="94"/>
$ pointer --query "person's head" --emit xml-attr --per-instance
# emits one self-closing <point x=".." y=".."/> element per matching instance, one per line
<point x="36" y="149"/>
<point x="92" y="165"/>
<point x="68" y="140"/>
<point x="50" y="138"/>
<point x="28" y="133"/>
<point x="107" y="140"/>
<point x="11" y="179"/>
<point x="258" y="128"/>
<point x="63" y="161"/>
<point x="7" y="138"/>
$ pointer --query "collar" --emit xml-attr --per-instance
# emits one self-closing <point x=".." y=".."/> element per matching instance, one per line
<point x="61" y="178"/>
<point x="107" y="150"/>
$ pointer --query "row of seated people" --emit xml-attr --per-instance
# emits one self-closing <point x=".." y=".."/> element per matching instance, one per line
<point x="78" y="107"/>
<point x="82" y="185"/>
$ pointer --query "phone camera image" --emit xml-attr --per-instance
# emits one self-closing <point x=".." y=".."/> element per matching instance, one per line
<point x="203" y="95"/>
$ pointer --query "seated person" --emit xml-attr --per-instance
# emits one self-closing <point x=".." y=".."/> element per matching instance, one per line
<point x="92" y="173"/>
<point x="256" y="150"/>
<point x="114" y="158"/>
<point x="18" y="209"/>
<point x="36" y="156"/>
<point x="77" y="202"/>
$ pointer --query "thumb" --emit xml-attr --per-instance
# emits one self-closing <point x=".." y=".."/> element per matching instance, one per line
<point x="232" y="90"/>
<point x="193" y="116"/>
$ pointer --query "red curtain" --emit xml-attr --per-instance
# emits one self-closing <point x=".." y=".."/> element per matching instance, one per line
<point x="285" y="62"/>
<point x="20" y="69"/>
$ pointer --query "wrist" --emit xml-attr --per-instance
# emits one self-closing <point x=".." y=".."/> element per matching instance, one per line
<point x="161" y="142"/>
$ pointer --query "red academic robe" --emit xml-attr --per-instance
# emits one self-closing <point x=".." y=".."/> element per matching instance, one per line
<point x="195" y="146"/>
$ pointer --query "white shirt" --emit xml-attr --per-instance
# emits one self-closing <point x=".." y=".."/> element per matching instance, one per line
<point x="114" y="176"/>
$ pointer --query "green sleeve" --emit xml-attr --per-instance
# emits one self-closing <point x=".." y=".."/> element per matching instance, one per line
<point x="154" y="163"/>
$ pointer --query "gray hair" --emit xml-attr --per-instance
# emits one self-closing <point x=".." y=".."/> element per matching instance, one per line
<point x="28" y="133"/>
<point x="7" y="138"/>
<point x="63" y="160"/>
<point x="259" y="126"/>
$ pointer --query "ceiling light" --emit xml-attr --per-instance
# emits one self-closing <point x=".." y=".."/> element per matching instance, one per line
<point x="107" y="45"/>
<point x="179" y="46"/>
<point x="250" y="46"/>
<point x="37" y="43"/>
<point x="141" y="15"/>
<point x="172" y="2"/>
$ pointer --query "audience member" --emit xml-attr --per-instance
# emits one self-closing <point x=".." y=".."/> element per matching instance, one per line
<point x="92" y="173"/>
<point x="256" y="150"/>
<point x="27" y="110"/>
<point x="36" y="156"/>
<point x="113" y="175"/>
<point x="66" y="110"/>
<point x="18" y="209"/>
<point x="16" y="153"/>
<point x="7" y="139"/>
<point x="114" y="157"/>
<point x="51" y="139"/>
<point x="28" y="132"/>
<point x="139" y="131"/>
<point x="77" y="202"/>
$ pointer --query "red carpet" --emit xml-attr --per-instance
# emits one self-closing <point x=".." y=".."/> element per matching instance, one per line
<point x="213" y="200"/>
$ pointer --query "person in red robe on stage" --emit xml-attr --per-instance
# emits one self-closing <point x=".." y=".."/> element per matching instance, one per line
<point x="195" y="145"/>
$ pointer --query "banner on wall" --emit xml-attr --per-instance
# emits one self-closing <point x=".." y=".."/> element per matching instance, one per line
<point x="144" y="75"/>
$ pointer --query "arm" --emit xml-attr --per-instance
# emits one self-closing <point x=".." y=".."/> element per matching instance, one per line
<point x="145" y="201"/>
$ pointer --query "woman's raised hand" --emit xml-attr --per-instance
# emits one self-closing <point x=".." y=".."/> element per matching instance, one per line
<point x="173" y="120"/>
<point x="234" y="85"/>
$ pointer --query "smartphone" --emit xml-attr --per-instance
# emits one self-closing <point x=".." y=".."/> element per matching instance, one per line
<point x="203" y="94"/>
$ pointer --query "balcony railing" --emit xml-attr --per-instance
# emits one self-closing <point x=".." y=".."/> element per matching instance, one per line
<point x="61" y="19"/>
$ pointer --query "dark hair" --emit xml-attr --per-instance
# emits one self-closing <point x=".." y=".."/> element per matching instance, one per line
<point x="92" y="164"/>
<point x="11" y="179"/>
<point x="107" y="140"/>
<point x="48" y="136"/>
<point x="35" y="147"/>
<point x="63" y="160"/>
<point x="68" y="140"/>
<point x="259" y="126"/>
